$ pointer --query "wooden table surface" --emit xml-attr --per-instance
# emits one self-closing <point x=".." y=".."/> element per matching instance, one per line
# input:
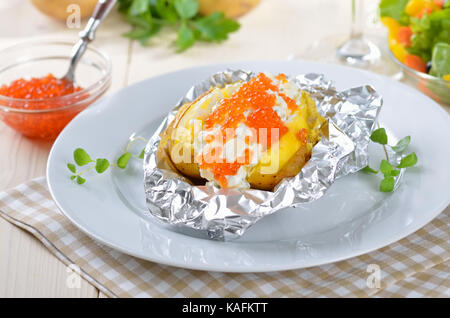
<point x="276" y="29"/>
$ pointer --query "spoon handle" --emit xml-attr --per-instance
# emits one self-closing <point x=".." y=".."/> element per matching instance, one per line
<point x="102" y="9"/>
<point x="88" y="34"/>
<point x="100" y="12"/>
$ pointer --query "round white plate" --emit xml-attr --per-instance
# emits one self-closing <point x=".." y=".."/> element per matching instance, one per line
<point x="353" y="218"/>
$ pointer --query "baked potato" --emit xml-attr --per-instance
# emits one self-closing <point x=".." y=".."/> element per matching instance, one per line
<point x="243" y="135"/>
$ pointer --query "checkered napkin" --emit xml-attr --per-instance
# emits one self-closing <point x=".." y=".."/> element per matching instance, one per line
<point x="418" y="265"/>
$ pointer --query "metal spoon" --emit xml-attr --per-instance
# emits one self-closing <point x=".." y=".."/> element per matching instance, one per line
<point x="87" y="35"/>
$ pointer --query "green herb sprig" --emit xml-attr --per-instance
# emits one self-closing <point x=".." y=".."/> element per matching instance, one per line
<point x="389" y="172"/>
<point x="100" y="165"/>
<point x="148" y="17"/>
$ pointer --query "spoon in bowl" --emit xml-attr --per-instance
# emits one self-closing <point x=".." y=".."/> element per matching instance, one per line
<point x="87" y="35"/>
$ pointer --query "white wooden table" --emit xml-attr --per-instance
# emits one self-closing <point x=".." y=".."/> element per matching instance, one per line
<point x="276" y="29"/>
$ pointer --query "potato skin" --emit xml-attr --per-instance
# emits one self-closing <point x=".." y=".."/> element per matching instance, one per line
<point x="231" y="8"/>
<point x="167" y="146"/>
<point x="58" y="8"/>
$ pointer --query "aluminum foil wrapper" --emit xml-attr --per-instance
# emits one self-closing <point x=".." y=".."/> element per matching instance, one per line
<point x="227" y="213"/>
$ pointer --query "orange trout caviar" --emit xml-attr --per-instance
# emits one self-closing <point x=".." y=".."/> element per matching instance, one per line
<point x="37" y="94"/>
<point x="281" y="77"/>
<point x="39" y="88"/>
<point x="291" y="104"/>
<point x="266" y="117"/>
<point x="252" y="96"/>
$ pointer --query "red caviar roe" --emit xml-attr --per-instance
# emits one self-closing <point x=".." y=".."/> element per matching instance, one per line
<point x="291" y="104"/>
<point x="266" y="117"/>
<point x="252" y="96"/>
<point x="222" y="170"/>
<point x="281" y="77"/>
<point x="39" y="88"/>
<point x="39" y="94"/>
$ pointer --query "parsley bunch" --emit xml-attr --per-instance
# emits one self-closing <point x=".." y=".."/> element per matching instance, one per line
<point x="386" y="168"/>
<point x="148" y="17"/>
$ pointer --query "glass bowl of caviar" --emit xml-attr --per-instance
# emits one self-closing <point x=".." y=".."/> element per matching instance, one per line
<point x="34" y="100"/>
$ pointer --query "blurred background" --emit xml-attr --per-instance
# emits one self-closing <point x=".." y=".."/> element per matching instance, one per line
<point x="273" y="29"/>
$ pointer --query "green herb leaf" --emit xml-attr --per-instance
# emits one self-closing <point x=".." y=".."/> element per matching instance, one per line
<point x="379" y="136"/>
<point x="81" y="157"/>
<point x="143" y="34"/>
<point x="387" y="184"/>
<point x="141" y="155"/>
<point x="72" y="177"/>
<point x="72" y="167"/>
<point x="402" y="144"/>
<point x="150" y="16"/>
<point x="166" y="10"/>
<point x="144" y="21"/>
<point x="186" y="38"/>
<point x="123" y="160"/>
<point x="186" y="8"/>
<point x="408" y="161"/>
<point x="369" y="170"/>
<point x="385" y="168"/>
<point x="138" y="7"/>
<point x="215" y="27"/>
<point x="80" y="180"/>
<point x="101" y="165"/>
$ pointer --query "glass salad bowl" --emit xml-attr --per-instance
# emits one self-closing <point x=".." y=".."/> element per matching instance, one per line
<point x="435" y="87"/>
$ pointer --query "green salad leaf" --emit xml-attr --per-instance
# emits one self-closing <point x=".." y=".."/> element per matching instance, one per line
<point x="440" y="60"/>
<point x="429" y="30"/>
<point x="394" y="9"/>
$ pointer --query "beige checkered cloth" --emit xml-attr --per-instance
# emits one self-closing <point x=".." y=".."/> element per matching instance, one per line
<point x="416" y="266"/>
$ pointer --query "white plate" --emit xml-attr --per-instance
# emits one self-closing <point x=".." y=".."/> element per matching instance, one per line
<point x="353" y="218"/>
